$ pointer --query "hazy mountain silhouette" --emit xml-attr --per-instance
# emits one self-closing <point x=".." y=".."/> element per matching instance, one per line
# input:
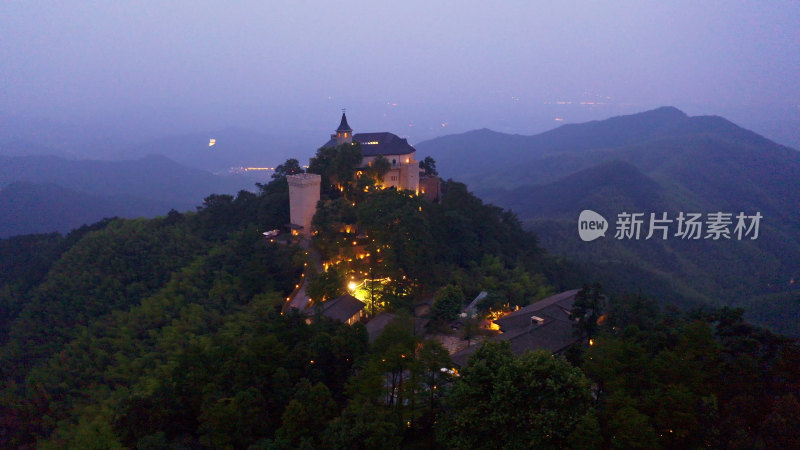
<point x="652" y="162"/>
<point x="49" y="193"/>
<point x="27" y="208"/>
<point x="233" y="147"/>
<point x="21" y="136"/>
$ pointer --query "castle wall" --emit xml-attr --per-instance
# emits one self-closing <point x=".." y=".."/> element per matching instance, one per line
<point x="304" y="189"/>
<point x="404" y="173"/>
<point x="409" y="174"/>
<point x="430" y="188"/>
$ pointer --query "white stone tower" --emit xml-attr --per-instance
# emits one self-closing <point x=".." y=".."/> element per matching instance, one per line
<point x="303" y="197"/>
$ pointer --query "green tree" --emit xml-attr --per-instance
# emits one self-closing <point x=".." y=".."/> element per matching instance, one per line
<point x="337" y="167"/>
<point x="535" y="400"/>
<point x="290" y="167"/>
<point x="306" y="416"/>
<point x="378" y="168"/>
<point x="586" y="310"/>
<point x="448" y="302"/>
<point x="325" y="285"/>
<point x="432" y="358"/>
<point x="429" y="166"/>
<point x="363" y="426"/>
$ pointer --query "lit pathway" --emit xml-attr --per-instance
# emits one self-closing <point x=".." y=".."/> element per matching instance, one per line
<point x="299" y="299"/>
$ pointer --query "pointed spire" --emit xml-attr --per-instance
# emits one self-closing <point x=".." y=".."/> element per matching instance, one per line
<point x="343" y="126"/>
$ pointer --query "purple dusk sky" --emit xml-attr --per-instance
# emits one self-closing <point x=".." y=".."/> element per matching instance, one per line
<point x="417" y="68"/>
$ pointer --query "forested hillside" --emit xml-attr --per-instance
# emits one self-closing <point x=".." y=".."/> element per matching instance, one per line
<point x="169" y="333"/>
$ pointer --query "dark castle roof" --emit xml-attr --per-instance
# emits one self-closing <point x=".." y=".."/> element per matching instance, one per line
<point x="374" y="144"/>
<point x="343" y="126"/>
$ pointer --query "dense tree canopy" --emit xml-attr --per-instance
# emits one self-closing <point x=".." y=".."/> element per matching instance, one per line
<point x="169" y="333"/>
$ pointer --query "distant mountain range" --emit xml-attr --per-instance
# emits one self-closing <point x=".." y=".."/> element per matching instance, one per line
<point x="27" y="208"/>
<point x="50" y="193"/>
<point x="234" y="147"/>
<point x="652" y="162"/>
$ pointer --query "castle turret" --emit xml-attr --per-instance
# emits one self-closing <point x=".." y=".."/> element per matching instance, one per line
<point x="344" y="134"/>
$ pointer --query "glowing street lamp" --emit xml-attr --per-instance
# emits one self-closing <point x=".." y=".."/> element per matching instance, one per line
<point x="352" y="286"/>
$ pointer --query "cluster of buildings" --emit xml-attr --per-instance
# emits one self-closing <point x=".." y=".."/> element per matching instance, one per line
<point x="546" y="324"/>
<point x="543" y="325"/>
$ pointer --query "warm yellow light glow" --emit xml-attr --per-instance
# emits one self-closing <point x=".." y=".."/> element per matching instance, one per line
<point x="591" y="341"/>
<point x="352" y="286"/>
<point x="212" y="142"/>
<point x="370" y="143"/>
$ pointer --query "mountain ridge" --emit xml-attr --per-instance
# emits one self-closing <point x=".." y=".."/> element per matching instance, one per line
<point x="659" y="161"/>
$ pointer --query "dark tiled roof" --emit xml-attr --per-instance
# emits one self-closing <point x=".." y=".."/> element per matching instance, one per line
<point x="386" y="144"/>
<point x="562" y="303"/>
<point x="343" y="126"/>
<point x="342" y="308"/>
<point x="554" y="333"/>
<point x="378" y="323"/>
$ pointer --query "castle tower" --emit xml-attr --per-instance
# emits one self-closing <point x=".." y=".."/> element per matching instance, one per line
<point x="344" y="134"/>
<point x="303" y="197"/>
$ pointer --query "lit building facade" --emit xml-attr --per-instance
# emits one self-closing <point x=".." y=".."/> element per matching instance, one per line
<point x="404" y="171"/>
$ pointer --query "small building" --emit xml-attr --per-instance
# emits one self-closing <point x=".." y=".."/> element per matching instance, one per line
<point x="345" y="308"/>
<point x="543" y="325"/>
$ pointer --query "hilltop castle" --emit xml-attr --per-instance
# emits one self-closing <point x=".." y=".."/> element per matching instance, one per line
<point x="404" y="174"/>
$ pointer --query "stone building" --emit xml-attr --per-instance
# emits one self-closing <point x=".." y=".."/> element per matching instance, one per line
<point x="404" y="172"/>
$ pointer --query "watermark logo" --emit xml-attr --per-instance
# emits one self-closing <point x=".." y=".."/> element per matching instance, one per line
<point x="685" y="226"/>
<point x="591" y="225"/>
